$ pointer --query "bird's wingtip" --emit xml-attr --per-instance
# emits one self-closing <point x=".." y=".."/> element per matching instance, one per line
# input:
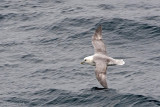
<point x="99" y="29"/>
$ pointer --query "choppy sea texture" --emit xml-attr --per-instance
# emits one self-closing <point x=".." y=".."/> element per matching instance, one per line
<point x="42" y="43"/>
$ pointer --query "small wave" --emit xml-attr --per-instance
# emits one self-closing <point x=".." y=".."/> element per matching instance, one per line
<point x="156" y="18"/>
<point x="45" y="92"/>
<point x="47" y="41"/>
<point x="43" y="72"/>
<point x="77" y="21"/>
<point x="27" y="56"/>
<point x="31" y="58"/>
<point x="10" y="44"/>
<point x="11" y="65"/>
<point x="49" y="1"/>
<point x="106" y="7"/>
<point x="28" y="27"/>
<point x="71" y="10"/>
<point x="140" y="6"/>
<point x="1" y="17"/>
<point x="79" y="36"/>
<point x="19" y="101"/>
<point x="8" y="16"/>
<point x="155" y="58"/>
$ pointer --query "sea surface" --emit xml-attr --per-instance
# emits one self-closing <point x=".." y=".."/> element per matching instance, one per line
<point x="42" y="43"/>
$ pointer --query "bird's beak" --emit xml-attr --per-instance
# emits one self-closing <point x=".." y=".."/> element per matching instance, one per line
<point x="82" y="62"/>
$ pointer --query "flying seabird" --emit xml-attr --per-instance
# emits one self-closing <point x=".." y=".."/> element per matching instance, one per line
<point x="100" y="58"/>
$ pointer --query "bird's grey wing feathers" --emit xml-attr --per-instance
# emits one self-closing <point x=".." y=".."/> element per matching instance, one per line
<point x="99" y="46"/>
<point x="100" y="72"/>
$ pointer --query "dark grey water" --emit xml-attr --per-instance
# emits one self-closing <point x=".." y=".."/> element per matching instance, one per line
<point x="42" y="43"/>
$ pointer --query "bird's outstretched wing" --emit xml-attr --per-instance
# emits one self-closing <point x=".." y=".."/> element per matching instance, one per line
<point x="99" y="46"/>
<point x="100" y="72"/>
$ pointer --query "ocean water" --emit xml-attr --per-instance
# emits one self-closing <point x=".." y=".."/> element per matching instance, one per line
<point x="42" y="43"/>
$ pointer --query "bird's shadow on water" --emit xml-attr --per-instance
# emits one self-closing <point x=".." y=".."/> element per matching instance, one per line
<point x="97" y="88"/>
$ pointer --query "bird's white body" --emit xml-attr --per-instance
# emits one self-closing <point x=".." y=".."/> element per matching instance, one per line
<point x="111" y="62"/>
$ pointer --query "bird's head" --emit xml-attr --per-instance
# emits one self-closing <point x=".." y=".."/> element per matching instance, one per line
<point x="88" y="60"/>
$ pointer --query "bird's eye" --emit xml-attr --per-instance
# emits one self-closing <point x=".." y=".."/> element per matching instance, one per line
<point x="85" y="60"/>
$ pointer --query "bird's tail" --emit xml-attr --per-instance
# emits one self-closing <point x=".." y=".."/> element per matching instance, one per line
<point x="120" y="62"/>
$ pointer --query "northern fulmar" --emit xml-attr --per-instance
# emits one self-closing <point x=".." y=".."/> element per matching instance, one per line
<point x="100" y="58"/>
